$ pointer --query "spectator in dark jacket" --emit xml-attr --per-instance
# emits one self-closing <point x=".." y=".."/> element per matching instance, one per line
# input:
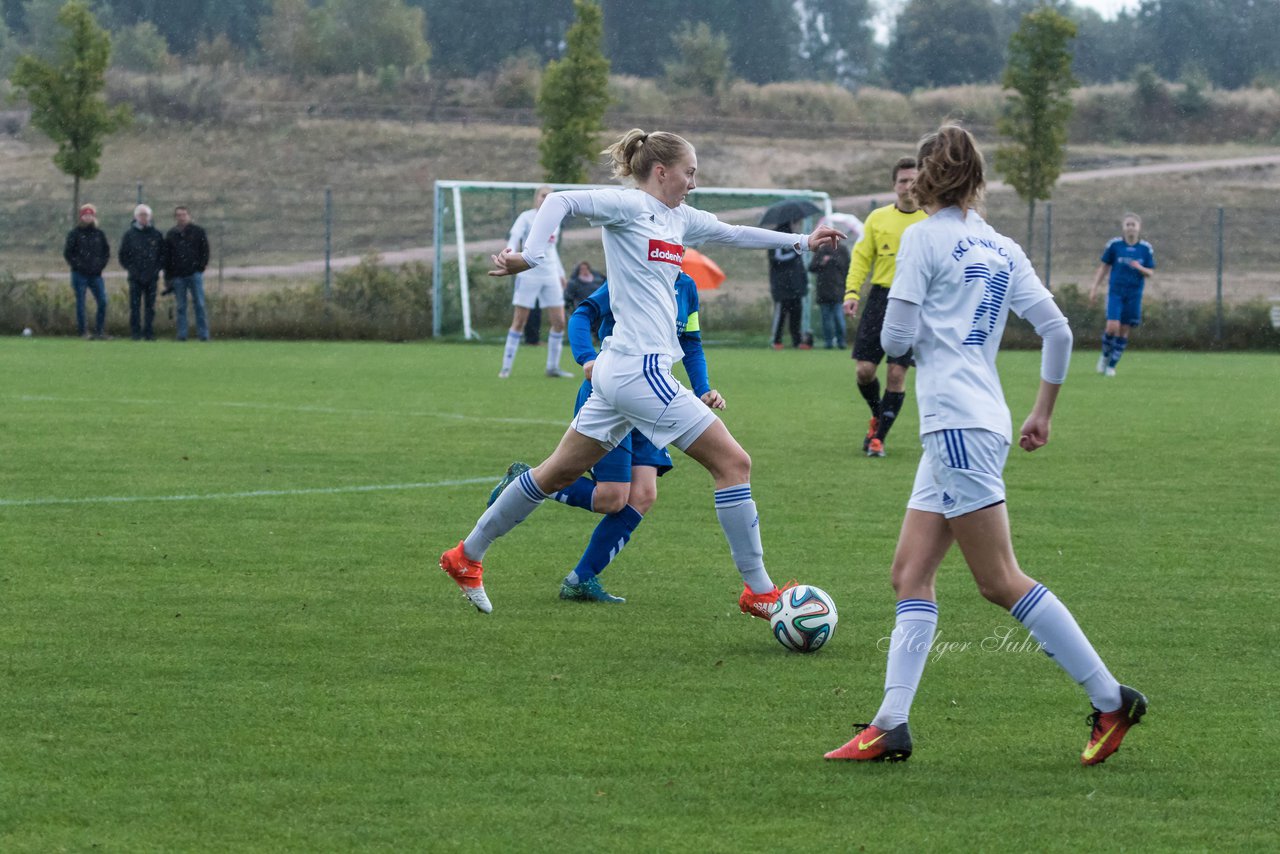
<point x="832" y="268"/>
<point x="142" y="251"/>
<point x="788" y="284"/>
<point x="186" y="256"/>
<point x="87" y="252"/>
<point x="583" y="283"/>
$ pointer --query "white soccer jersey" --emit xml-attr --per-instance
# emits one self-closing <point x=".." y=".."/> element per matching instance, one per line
<point x="644" y="243"/>
<point x="551" y="269"/>
<point x="965" y="276"/>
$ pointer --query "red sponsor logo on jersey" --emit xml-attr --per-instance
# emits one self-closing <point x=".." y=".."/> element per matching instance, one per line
<point x="668" y="253"/>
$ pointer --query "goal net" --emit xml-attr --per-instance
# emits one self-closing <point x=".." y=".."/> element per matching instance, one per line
<point x="473" y="218"/>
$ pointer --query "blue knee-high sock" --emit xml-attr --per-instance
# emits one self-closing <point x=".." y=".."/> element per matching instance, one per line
<point x="580" y="493"/>
<point x="607" y="540"/>
<point x="1108" y="341"/>
<point x="1117" y="349"/>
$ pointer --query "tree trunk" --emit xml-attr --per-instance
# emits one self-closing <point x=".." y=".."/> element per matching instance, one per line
<point x="75" y="202"/>
<point x="1031" y="224"/>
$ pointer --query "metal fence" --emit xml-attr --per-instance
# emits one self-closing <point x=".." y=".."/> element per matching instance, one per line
<point x="276" y="237"/>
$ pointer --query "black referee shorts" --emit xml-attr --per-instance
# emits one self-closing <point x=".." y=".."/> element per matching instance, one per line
<point x="866" y="346"/>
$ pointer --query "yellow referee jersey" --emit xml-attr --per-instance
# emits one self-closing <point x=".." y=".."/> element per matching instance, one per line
<point x="877" y="251"/>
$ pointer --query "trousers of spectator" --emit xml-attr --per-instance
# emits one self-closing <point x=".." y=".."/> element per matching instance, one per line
<point x="833" y="328"/>
<point x="192" y="287"/>
<point x="788" y="311"/>
<point x="81" y="283"/>
<point x="533" y="326"/>
<point x="142" y="308"/>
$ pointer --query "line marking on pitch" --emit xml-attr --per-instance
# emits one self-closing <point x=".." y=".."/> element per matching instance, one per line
<point x="256" y="493"/>
<point x="276" y="407"/>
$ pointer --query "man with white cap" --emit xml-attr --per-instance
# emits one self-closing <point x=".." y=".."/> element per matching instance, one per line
<point x="87" y="252"/>
<point x="142" y="254"/>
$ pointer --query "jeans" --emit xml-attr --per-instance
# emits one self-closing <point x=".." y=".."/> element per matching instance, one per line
<point x="80" y="283"/>
<point x="142" y="295"/>
<point x="194" y="285"/>
<point x="833" y="329"/>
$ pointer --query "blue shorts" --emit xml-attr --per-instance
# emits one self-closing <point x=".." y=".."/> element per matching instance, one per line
<point x="1125" y="305"/>
<point x="633" y="450"/>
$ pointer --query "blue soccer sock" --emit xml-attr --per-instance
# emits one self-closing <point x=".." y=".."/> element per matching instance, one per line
<point x="607" y="540"/>
<point x="909" y="648"/>
<point x="1118" y="346"/>
<point x="1108" y="341"/>
<point x="580" y="493"/>
<point x="512" y="507"/>
<point x="1050" y="623"/>
<point x="741" y="523"/>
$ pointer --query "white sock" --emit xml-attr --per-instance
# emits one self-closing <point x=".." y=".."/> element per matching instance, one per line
<point x="513" y="506"/>
<point x="509" y="354"/>
<point x="909" y="648"/>
<point x="1052" y="625"/>
<point x="741" y="523"/>
<point x="554" y="342"/>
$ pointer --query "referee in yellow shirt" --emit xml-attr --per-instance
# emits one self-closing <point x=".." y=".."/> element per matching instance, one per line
<point x="875" y="254"/>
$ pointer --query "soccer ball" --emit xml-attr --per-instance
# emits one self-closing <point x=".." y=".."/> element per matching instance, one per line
<point x="804" y="618"/>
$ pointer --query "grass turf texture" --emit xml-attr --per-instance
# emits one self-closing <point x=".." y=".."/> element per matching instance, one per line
<point x="292" y="671"/>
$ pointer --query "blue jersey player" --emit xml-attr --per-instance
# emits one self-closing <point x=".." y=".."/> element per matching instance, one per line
<point x="624" y="484"/>
<point x="1130" y="261"/>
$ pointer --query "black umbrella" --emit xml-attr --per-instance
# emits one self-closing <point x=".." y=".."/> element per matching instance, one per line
<point x="788" y="210"/>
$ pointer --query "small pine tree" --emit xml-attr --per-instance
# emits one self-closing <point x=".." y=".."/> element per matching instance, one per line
<point x="573" y="98"/>
<point x="66" y="95"/>
<point x="1039" y="79"/>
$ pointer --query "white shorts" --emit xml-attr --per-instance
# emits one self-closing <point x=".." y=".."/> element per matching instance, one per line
<point x="537" y="290"/>
<point x="961" y="471"/>
<point x="639" y="392"/>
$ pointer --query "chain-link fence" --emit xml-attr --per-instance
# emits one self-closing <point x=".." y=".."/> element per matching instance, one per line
<point x="269" y="240"/>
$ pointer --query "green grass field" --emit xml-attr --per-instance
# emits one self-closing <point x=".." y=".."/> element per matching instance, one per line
<point x="222" y="626"/>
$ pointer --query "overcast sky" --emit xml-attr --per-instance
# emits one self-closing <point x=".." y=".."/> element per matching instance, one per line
<point x="889" y="10"/>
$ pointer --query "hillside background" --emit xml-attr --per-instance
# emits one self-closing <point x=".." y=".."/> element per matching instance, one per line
<point x="250" y="136"/>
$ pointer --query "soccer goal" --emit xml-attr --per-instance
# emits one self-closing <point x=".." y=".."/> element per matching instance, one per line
<point x="473" y="218"/>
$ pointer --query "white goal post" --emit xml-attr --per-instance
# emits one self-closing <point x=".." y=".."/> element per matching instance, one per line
<point x="480" y="214"/>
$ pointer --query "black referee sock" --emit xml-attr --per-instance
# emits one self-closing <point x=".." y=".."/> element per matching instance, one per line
<point x="871" y="394"/>
<point x="890" y="409"/>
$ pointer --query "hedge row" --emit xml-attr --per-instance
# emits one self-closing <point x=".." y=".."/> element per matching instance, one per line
<point x="373" y="302"/>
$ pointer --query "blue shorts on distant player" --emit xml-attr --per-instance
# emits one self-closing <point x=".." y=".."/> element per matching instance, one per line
<point x="1125" y="305"/>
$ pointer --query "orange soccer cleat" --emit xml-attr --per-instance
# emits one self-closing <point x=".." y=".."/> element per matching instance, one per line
<point x="872" y="744"/>
<point x="1108" y="728"/>
<point x="872" y="429"/>
<point x="761" y="604"/>
<point x="468" y="574"/>
<point x="875" y="448"/>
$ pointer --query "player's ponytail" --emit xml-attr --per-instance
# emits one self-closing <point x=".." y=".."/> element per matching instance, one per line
<point x="637" y="152"/>
<point x="950" y="169"/>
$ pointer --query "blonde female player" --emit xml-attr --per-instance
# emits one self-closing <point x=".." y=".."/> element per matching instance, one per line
<point x="645" y="229"/>
<point x="956" y="280"/>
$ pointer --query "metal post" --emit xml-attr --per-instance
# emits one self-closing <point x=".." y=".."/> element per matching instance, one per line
<point x="1217" y="328"/>
<point x="1048" y="243"/>
<point x="328" y="241"/>
<point x="464" y="288"/>
<point x="437" y="274"/>
<point x="222" y="232"/>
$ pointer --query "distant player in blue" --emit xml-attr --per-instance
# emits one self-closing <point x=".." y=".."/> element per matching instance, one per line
<point x="624" y="484"/>
<point x="1130" y="261"/>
